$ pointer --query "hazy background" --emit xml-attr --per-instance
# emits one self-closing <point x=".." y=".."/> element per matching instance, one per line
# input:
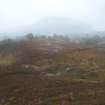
<point x="52" y="16"/>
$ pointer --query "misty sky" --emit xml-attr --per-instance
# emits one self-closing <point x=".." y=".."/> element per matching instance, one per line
<point x="18" y="13"/>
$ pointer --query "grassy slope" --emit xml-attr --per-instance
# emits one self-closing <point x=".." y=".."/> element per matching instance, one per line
<point x="78" y="79"/>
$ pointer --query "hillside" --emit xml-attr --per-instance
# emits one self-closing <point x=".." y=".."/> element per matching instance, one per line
<point x="51" y="71"/>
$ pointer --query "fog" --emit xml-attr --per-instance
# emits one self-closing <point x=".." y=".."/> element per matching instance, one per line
<point x="18" y="15"/>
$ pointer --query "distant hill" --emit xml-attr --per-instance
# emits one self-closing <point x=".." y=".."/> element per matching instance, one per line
<point x="53" y="25"/>
<point x="59" y="25"/>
